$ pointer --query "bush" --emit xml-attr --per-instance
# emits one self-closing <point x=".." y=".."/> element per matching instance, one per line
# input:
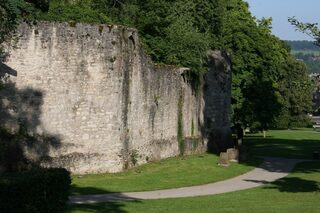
<point x="11" y="153"/>
<point x="36" y="190"/>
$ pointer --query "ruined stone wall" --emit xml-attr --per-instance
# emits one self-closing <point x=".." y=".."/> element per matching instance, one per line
<point x="97" y="101"/>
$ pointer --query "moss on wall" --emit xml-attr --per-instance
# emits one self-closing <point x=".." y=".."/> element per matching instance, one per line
<point x="180" y="135"/>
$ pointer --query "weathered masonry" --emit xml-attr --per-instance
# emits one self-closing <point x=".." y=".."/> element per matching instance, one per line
<point x="100" y="105"/>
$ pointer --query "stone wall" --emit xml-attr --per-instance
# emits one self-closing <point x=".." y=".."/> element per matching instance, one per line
<point x="96" y="101"/>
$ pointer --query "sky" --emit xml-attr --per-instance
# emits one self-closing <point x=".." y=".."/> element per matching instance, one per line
<point x="280" y="10"/>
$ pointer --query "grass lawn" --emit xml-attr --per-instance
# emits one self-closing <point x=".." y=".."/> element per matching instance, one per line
<point x="298" y="192"/>
<point x="300" y="143"/>
<point x="170" y="173"/>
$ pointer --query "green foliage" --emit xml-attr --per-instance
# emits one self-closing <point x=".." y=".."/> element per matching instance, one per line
<point x="296" y="90"/>
<point x="134" y="157"/>
<point x="37" y="190"/>
<point x="64" y="11"/>
<point x="256" y="59"/>
<point x="310" y="29"/>
<point x="176" y="32"/>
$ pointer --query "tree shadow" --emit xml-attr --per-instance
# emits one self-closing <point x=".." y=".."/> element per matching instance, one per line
<point x="302" y="178"/>
<point x="257" y="136"/>
<point x="110" y="207"/>
<point x="103" y="201"/>
<point x="22" y="138"/>
<point x="286" y="148"/>
<point x="295" y="185"/>
<point x="258" y="147"/>
<point x="298" y="184"/>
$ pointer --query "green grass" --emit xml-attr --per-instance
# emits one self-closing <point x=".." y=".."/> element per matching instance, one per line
<point x="170" y="173"/>
<point x="298" y="192"/>
<point x="299" y="143"/>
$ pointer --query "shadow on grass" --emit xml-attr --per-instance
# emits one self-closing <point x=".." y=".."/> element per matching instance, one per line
<point x="308" y="168"/>
<point x="298" y="184"/>
<point x="295" y="185"/>
<point x="101" y="208"/>
<point x="258" y="136"/>
<point x="291" y="184"/>
<point x="304" y="178"/>
<point x="103" y="201"/>
<point x="286" y="148"/>
<point x="77" y="190"/>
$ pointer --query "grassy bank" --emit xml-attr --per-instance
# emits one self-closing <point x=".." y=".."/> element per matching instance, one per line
<point x="170" y="173"/>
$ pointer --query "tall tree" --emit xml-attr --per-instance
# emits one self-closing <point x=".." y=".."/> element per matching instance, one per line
<point x="296" y="90"/>
<point x="256" y="59"/>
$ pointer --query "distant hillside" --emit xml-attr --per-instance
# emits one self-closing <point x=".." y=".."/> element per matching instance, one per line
<point x="297" y="46"/>
<point x="307" y="52"/>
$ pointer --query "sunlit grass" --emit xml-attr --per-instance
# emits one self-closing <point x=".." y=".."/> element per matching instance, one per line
<point x="170" y="173"/>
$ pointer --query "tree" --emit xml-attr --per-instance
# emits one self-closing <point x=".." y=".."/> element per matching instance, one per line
<point x="256" y="59"/>
<point x="310" y="29"/>
<point x="296" y="90"/>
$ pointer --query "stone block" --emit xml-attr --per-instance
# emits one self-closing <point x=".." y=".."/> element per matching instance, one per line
<point x="233" y="155"/>
<point x="223" y="159"/>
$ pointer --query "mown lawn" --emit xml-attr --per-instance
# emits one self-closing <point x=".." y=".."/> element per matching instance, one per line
<point x="300" y="143"/>
<point x="170" y="173"/>
<point x="298" y="192"/>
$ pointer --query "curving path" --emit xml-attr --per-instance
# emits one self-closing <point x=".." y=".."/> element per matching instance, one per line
<point x="270" y="170"/>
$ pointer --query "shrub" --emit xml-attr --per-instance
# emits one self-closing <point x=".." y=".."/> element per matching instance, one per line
<point x="36" y="190"/>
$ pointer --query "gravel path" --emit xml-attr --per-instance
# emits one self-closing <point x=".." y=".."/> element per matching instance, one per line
<point x="270" y="170"/>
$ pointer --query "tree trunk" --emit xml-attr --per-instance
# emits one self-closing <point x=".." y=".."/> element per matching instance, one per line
<point x="239" y="135"/>
<point x="264" y="133"/>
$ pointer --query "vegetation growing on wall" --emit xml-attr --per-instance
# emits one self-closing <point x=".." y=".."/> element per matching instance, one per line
<point x="180" y="130"/>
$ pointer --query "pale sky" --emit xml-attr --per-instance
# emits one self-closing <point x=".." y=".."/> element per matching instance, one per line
<point x="280" y="10"/>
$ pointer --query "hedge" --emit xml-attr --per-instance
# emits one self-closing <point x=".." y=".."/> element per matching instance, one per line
<point x="37" y="190"/>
